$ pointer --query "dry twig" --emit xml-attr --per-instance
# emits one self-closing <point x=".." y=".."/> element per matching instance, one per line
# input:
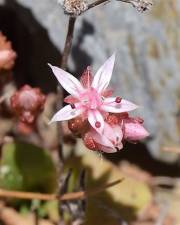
<point x="64" y="197"/>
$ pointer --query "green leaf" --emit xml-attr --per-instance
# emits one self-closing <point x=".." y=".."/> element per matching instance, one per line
<point x="26" y="167"/>
<point x="124" y="200"/>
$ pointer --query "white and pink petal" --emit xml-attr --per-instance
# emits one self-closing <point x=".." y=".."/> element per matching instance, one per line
<point x="67" y="81"/>
<point x="104" y="143"/>
<point x="103" y="76"/>
<point x="96" y="120"/>
<point x="67" y="113"/>
<point x="110" y="105"/>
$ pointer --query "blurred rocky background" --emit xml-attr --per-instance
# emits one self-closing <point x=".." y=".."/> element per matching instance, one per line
<point x="147" y="69"/>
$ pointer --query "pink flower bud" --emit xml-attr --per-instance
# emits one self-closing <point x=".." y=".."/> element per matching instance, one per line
<point x="7" y="55"/>
<point x="77" y="125"/>
<point x="133" y="130"/>
<point x="112" y="119"/>
<point x="89" y="142"/>
<point x="27" y="103"/>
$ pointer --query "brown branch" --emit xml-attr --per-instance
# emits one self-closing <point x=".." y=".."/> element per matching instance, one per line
<point x="173" y="149"/>
<point x="141" y="6"/>
<point x="161" y="180"/>
<point x="63" y="65"/>
<point x="96" y="3"/>
<point x="100" y="2"/>
<point x="48" y="197"/>
<point x="68" y="42"/>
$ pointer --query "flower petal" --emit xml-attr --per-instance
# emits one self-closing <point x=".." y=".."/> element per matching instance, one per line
<point x="104" y="143"/>
<point x="109" y="133"/>
<point x="114" y="134"/>
<point x="110" y="105"/>
<point x="70" y="99"/>
<point x="86" y="78"/>
<point x="103" y="76"/>
<point x="107" y="149"/>
<point x="68" y="82"/>
<point x="95" y="116"/>
<point x="66" y="113"/>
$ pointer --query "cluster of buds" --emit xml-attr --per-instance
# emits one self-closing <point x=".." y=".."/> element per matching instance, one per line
<point x="73" y="7"/>
<point x="102" y="121"/>
<point x="118" y="129"/>
<point x="7" y="54"/>
<point x="27" y="103"/>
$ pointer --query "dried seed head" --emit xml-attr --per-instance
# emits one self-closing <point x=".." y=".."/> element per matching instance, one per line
<point x="141" y="5"/>
<point x="74" y="7"/>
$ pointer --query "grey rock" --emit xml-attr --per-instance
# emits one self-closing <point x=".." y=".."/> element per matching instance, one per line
<point x="148" y="57"/>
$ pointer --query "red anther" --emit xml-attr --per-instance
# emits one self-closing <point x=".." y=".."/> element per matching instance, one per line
<point x="98" y="124"/>
<point x="118" y="99"/>
<point x="73" y="106"/>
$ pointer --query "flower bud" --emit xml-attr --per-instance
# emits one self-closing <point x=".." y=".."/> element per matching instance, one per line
<point x="133" y="130"/>
<point x="27" y="103"/>
<point x="112" y="119"/>
<point x="7" y="55"/>
<point x="77" y="125"/>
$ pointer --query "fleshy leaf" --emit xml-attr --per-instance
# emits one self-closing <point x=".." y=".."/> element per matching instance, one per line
<point x="26" y="167"/>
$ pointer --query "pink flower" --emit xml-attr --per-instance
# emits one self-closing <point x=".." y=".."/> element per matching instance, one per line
<point x="118" y="128"/>
<point x="90" y="97"/>
<point x="109" y="141"/>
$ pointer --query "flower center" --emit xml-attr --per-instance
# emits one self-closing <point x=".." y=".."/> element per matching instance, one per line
<point x="91" y="99"/>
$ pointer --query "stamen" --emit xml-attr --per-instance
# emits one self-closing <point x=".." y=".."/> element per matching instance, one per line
<point x="73" y="106"/>
<point x="98" y="124"/>
<point x="118" y="99"/>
